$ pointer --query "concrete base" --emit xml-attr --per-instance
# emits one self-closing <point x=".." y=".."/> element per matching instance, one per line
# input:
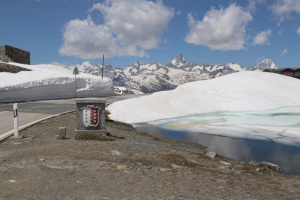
<point x="91" y="132"/>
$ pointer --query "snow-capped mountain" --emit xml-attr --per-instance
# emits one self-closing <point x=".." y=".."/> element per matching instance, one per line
<point x="178" y="61"/>
<point x="86" y="67"/>
<point x="264" y="64"/>
<point x="155" y="77"/>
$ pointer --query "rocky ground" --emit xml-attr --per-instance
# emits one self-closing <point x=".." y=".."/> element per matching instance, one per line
<point x="11" y="68"/>
<point x="135" y="165"/>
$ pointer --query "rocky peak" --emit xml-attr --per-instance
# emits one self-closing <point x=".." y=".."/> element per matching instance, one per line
<point x="136" y="64"/>
<point x="266" y="64"/>
<point x="108" y="67"/>
<point x="178" y="60"/>
<point x="87" y="64"/>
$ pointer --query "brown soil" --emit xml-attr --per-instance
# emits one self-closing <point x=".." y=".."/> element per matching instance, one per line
<point x="134" y="166"/>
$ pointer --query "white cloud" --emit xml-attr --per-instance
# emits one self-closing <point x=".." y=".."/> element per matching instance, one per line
<point x="84" y="39"/>
<point x="136" y="22"/>
<point x="298" y="30"/>
<point x="222" y="29"/>
<point x="251" y="6"/>
<point x="253" y="3"/>
<point x="262" y="37"/>
<point x="285" y="51"/>
<point x="283" y="8"/>
<point x="129" y="28"/>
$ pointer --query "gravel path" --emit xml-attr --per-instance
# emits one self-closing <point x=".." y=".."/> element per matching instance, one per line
<point x="135" y="166"/>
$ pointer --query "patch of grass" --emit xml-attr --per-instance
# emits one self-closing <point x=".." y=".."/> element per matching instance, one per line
<point x="96" y="137"/>
<point x="240" y="167"/>
<point x="149" y="135"/>
<point x="202" y="156"/>
<point x="178" y="158"/>
<point x="61" y="138"/>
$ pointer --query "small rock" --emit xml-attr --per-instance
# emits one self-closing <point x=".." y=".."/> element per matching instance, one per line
<point x="225" y="163"/>
<point x="3" y="168"/>
<point x="115" y="153"/>
<point x="253" y="163"/>
<point x="12" y="181"/>
<point x="121" y="167"/>
<point x="210" y="154"/>
<point x="175" y="166"/>
<point x="271" y="166"/>
<point x="42" y="159"/>
<point x="239" y="167"/>
<point x="164" y="169"/>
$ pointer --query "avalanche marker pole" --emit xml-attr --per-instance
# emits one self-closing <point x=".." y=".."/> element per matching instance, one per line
<point x="16" y="127"/>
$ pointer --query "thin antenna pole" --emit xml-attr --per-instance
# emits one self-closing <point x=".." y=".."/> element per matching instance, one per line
<point x="102" y="66"/>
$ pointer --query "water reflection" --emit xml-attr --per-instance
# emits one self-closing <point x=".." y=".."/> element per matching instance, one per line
<point x="286" y="156"/>
<point x="280" y="125"/>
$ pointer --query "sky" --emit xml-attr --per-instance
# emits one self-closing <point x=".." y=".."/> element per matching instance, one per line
<point x="212" y="32"/>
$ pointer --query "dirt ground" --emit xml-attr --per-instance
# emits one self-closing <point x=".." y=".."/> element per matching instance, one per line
<point x="134" y="166"/>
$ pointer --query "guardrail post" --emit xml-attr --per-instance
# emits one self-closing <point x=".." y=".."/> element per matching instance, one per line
<point x="16" y="126"/>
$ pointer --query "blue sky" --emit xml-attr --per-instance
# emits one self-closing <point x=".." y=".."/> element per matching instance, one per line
<point x="212" y="32"/>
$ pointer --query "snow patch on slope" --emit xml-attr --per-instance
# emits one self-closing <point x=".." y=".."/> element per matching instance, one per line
<point x="243" y="91"/>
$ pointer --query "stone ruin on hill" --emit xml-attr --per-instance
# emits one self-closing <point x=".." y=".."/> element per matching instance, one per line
<point x="12" y="54"/>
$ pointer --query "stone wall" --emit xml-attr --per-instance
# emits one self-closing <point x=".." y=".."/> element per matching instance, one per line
<point x="15" y="54"/>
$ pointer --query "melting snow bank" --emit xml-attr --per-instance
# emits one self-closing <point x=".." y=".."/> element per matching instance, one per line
<point x="238" y="92"/>
<point x="243" y="91"/>
<point x="50" y="82"/>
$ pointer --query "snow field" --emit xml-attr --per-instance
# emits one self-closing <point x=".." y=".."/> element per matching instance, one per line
<point x="243" y="91"/>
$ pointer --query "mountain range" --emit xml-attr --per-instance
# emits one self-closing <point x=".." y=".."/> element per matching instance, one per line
<point x="155" y="77"/>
